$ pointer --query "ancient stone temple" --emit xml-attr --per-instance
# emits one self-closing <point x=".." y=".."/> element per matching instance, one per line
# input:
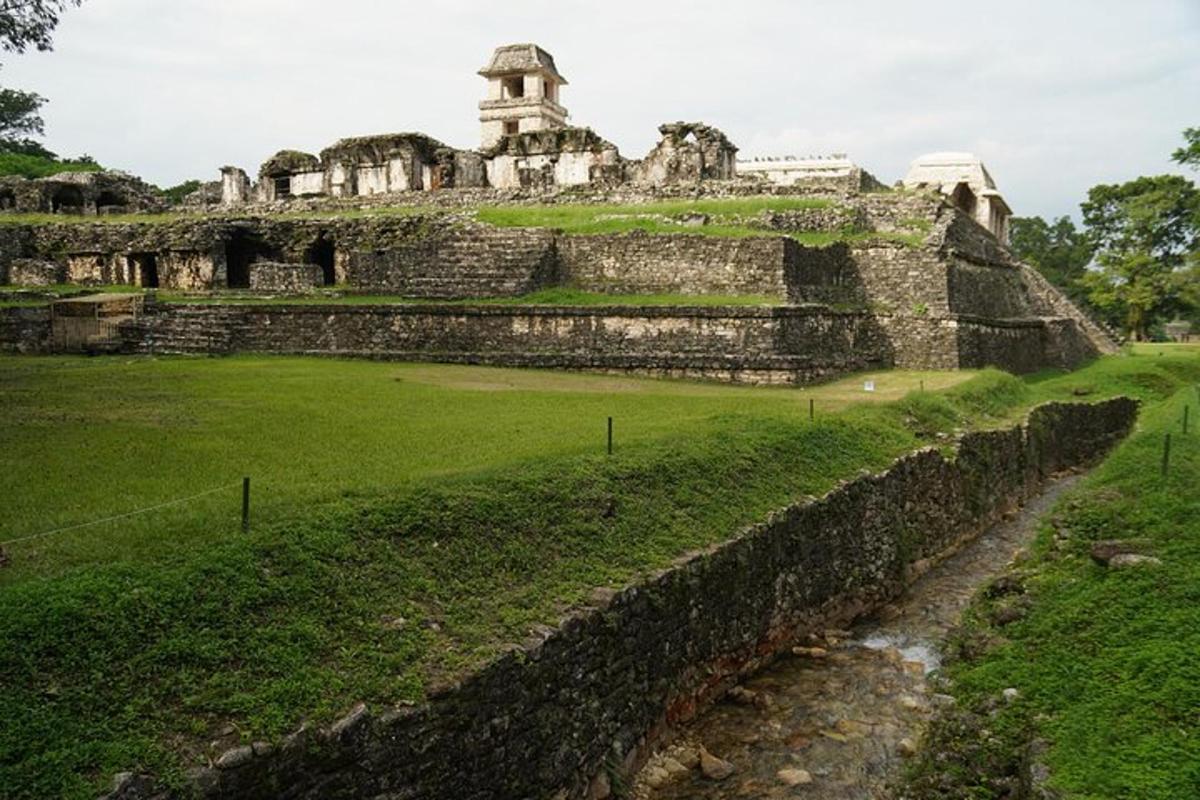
<point x="966" y="182"/>
<point x="522" y="93"/>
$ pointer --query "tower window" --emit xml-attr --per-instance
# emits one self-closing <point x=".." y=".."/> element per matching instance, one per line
<point x="514" y="87"/>
<point x="511" y="127"/>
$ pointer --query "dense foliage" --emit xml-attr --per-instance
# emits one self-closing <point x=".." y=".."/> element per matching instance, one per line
<point x="1137" y="260"/>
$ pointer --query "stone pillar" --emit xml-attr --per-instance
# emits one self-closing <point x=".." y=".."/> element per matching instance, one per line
<point x="235" y="186"/>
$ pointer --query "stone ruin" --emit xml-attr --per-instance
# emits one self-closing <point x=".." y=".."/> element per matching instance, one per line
<point x="963" y="179"/>
<point x="925" y="281"/>
<point x="80" y="193"/>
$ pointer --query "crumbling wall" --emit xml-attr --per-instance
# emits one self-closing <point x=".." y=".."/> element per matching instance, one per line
<point x="560" y="714"/>
<point x="24" y="330"/>
<point x="542" y="159"/>
<point x="689" y="152"/>
<point x="271" y="276"/>
<point x="100" y="192"/>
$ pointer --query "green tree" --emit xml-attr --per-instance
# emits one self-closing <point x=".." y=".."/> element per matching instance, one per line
<point x="19" y="117"/>
<point x="1058" y="250"/>
<point x="176" y="193"/>
<point x="1189" y="154"/>
<point x="1146" y="233"/>
<point x="30" y="23"/>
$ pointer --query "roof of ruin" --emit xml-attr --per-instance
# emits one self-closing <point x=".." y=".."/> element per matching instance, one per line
<point x="288" y="162"/>
<point x="516" y="58"/>
<point x="947" y="169"/>
<point x="379" y="148"/>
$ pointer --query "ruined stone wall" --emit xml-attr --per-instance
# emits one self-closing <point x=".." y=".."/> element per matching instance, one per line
<point x="642" y="263"/>
<point x="899" y="278"/>
<point x="452" y="262"/>
<point x="743" y="344"/>
<point x="553" y="715"/>
<point x="25" y="330"/>
<point x="271" y="276"/>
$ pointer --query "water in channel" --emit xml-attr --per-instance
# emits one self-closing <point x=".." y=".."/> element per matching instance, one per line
<point x="836" y="725"/>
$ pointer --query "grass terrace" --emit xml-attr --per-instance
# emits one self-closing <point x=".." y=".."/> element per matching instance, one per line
<point x="408" y="521"/>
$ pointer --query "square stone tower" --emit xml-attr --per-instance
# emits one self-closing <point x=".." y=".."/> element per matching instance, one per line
<point x="522" y="93"/>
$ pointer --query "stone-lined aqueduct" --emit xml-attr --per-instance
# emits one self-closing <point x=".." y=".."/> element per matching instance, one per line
<point x="915" y="277"/>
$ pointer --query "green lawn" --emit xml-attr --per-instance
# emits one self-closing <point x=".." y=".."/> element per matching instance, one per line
<point x="409" y="520"/>
<point x="1107" y="662"/>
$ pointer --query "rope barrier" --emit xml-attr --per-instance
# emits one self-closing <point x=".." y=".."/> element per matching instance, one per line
<point x="122" y="516"/>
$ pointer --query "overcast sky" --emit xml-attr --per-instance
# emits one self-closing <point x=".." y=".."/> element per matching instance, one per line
<point x="1054" y="96"/>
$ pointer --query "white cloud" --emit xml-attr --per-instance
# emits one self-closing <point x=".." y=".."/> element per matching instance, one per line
<point x="1054" y="96"/>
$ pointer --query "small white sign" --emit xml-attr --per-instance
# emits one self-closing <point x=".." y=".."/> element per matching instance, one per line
<point x="868" y="386"/>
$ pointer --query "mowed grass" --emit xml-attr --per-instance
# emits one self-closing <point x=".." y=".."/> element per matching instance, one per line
<point x="1107" y="662"/>
<point x="409" y="521"/>
<point x="725" y="218"/>
<point x="86" y="439"/>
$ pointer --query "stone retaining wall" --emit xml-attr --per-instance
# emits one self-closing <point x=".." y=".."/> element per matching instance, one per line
<point x="561" y="715"/>
<point x="24" y="330"/>
<point x="749" y="344"/>
<point x="746" y="344"/>
<point x="642" y="263"/>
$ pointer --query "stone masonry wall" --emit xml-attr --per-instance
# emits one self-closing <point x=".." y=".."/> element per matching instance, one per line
<point x="744" y="344"/>
<point x="641" y="263"/>
<point x="24" y="330"/>
<point x="553" y="715"/>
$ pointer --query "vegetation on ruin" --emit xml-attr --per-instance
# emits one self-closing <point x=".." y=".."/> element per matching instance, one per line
<point x="409" y="520"/>
<point x="1105" y="661"/>
<point x="723" y="217"/>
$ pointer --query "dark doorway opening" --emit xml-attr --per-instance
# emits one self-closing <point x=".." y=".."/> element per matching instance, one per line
<point x="67" y="200"/>
<point x="239" y="254"/>
<point x="323" y="253"/>
<point x="8" y="199"/>
<point x="964" y="198"/>
<point x="108" y="200"/>
<point x="145" y="269"/>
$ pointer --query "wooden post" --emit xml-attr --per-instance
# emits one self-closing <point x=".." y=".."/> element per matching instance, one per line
<point x="811" y="413"/>
<point x="610" y="436"/>
<point x="1185" y="418"/>
<point x="245" y="505"/>
<point x="1166" y="462"/>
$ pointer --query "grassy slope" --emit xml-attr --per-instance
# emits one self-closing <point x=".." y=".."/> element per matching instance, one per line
<point x="1107" y="662"/>
<point x="726" y="218"/>
<point x="450" y="520"/>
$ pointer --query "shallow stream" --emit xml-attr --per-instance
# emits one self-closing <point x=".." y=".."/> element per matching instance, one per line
<point x="836" y="723"/>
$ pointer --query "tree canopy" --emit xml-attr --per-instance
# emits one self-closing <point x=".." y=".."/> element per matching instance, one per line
<point x="30" y="23"/>
<point x="1146" y="233"/>
<point x="1189" y="154"/>
<point x="1059" y="250"/>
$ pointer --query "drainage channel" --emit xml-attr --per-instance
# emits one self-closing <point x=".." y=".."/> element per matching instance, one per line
<point x="837" y="719"/>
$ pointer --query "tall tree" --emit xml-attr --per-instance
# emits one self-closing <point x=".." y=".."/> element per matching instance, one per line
<point x="1146" y="234"/>
<point x="30" y="23"/>
<point x="1189" y="154"/>
<point x="19" y="116"/>
<point x="1058" y="250"/>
